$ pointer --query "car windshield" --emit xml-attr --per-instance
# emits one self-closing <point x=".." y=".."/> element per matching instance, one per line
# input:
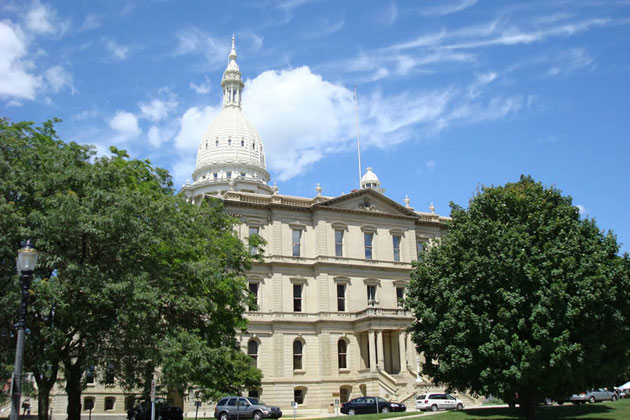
<point x="421" y="397"/>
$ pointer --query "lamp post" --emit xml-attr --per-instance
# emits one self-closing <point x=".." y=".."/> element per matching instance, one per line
<point x="26" y="261"/>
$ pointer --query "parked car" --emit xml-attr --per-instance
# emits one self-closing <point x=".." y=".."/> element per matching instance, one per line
<point x="592" y="395"/>
<point x="364" y="405"/>
<point x="163" y="411"/>
<point x="245" y="408"/>
<point x="438" y="401"/>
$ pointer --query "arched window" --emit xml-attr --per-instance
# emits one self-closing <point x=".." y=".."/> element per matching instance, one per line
<point x="242" y="143"/>
<point x="298" y="348"/>
<point x="88" y="403"/>
<point x="342" y="353"/>
<point x="252" y="351"/>
<point x="229" y="142"/>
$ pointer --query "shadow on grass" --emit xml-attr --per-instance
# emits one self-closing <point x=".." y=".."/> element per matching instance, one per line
<point x="583" y="412"/>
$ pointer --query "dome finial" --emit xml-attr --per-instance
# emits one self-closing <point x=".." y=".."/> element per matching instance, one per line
<point x="232" y="55"/>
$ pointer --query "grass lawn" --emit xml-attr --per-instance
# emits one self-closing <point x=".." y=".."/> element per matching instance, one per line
<point x="618" y="410"/>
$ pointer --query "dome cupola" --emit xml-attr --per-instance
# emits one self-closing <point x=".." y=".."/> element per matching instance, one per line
<point x="370" y="180"/>
<point x="231" y="155"/>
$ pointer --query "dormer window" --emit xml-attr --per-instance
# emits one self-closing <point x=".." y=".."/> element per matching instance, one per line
<point x="242" y="143"/>
<point x="253" y="146"/>
<point x="216" y="143"/>
<point x="229" y="142"/>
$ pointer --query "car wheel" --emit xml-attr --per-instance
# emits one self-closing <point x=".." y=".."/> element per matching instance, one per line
<point x="591" y="400"/>
<point x="460" y="406"/>
<point x="224" y="416"/>
<point x="614" y="398"/>
<point x="351" y="412"/>
<point x="257" y="415"/>
<point x="434" y="407"/>
<point x="385" y="410"/>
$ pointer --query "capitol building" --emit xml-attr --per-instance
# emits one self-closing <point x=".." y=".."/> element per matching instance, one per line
<point x="329" y="325"/>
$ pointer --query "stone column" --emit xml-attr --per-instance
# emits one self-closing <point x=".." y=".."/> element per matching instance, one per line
<point x="379" y="349"/>
<point x="401" y="351"/>
<point x="372" y="349"/>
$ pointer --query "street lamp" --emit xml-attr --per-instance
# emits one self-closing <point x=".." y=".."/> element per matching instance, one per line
<point x="26" y="261"/>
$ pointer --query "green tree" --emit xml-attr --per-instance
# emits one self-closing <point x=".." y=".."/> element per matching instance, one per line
<point x="522" y="296"/>
<point x="132" y="279"/>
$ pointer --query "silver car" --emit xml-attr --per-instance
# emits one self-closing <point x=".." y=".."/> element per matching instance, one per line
<point x="245" y="408"/>
<point x="592" y="395"/>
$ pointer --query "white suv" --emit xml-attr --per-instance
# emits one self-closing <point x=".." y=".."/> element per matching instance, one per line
<point x="437" y="401"/>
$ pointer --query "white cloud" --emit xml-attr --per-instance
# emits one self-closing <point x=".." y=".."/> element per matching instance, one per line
<point x="299" y="116"/>
<point x="118" y="51"/>
<point x="154" y="136"/>
<point x="16" y="77"/>
<point x="430" y="165"/>
<point x="159" y="108"/>
<point x="582" y="209"/>
<point x="201" y="88"/>
<point x="59" y="78"/>
<point x="445" y="8"/>
<point x="125" y="124"/>
<point x="42" y="19"/>
<point x="192" y="126"/>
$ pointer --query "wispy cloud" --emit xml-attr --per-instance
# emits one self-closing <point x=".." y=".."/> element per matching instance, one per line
<point x="59" y="78"/>
<point x="326" y="27"/>
<point x="447" y="7"/>
<point x="203" y="87"/>
<point x="196" y="42"/>
<point x="569" y="61"/>
<point x="117" y="51"/>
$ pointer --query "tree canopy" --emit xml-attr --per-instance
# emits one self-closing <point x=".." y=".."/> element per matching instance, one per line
<point x="522" y="296"/>
<point x="130" y="278"/>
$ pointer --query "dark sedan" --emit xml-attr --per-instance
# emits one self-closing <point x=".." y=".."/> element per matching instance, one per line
<point x="365" y="405"/>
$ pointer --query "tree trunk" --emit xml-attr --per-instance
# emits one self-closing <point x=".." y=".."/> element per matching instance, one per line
<point x="43" y="399"/>
<point x="73" y="372"/>
<point x="44" y="386"/>
<point x="527" y="404"/>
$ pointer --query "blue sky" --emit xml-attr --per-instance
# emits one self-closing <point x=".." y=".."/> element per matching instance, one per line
<point x="453" y="94"/>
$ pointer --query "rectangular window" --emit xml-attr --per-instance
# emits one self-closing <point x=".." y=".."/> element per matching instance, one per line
<point x="89" y="374"/>
<point x="253" y="231"/>
<point x="400" y="296"/>
<point x="368" y="238"/>
<point x="371" y="293"/>
<point x="338" y="243"/>
<point x="296" y="241"/>
<point x="297" y="298"/>
<point x="253" y="289"/>
<point x="341" y="297"/>
<point x="396" y="242"/>
<point x="419" y="247"/>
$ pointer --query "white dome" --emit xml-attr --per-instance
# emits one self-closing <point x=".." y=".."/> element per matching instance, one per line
<point x="231" y="139"/>
<point x="369" y="177"/>
<point x="370" y="180"/>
